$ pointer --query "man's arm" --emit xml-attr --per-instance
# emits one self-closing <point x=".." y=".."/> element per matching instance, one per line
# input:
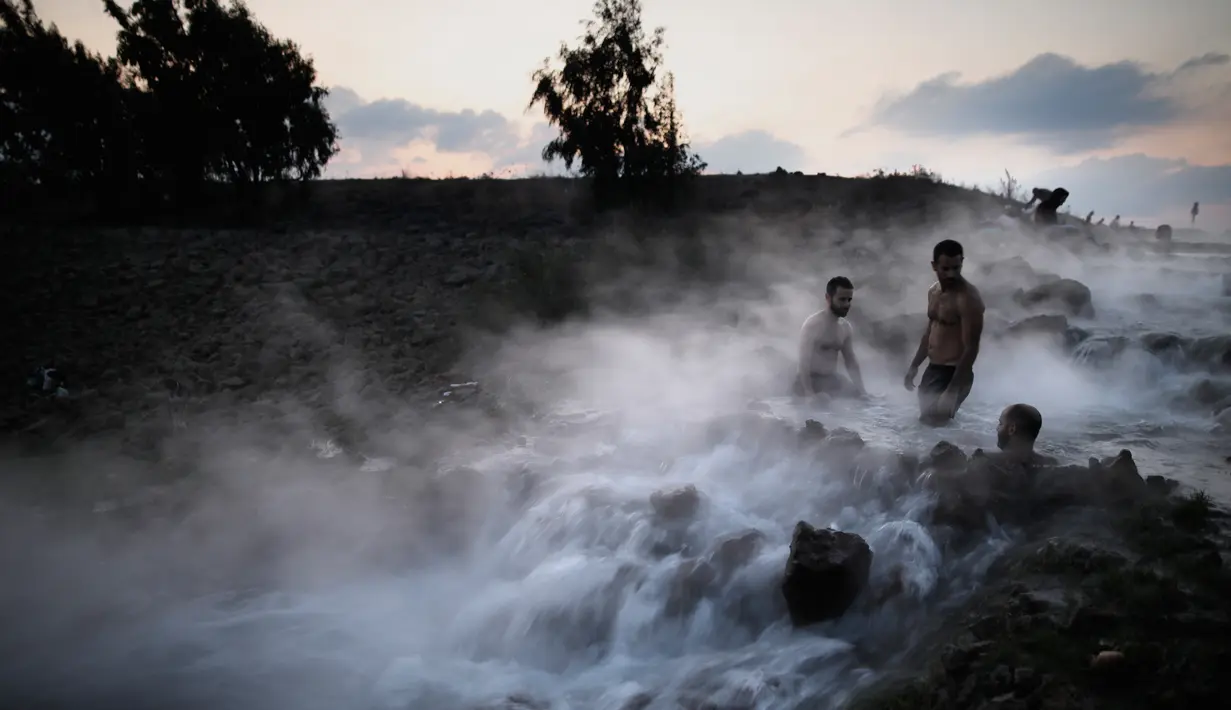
<point x="971" y="309"/>
<point x="807" y="337"/>
<point x="921" y="353"/>
<point x="852" y="365"/>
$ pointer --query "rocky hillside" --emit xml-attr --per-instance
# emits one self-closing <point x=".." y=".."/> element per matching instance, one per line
<point x="389" y="273"/>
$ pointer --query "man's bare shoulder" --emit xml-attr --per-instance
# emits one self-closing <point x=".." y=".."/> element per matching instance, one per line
<point x="934" y="289"/>
<point x="814" y="321"/>
<point x="972" y="299"/>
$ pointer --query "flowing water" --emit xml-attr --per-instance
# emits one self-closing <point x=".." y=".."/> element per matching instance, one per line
<point x="572" y="592"/>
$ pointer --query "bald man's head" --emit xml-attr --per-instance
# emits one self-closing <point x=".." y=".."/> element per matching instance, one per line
<point x="1019" y="426"/>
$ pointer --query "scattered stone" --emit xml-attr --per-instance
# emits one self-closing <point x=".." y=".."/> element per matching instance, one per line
<point x="678" y="504"/>
<point x="1071" y="295"/>
<point x="825" y="572"/>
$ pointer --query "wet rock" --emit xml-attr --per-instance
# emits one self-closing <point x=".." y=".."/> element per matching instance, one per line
<point x="1120" y="479"/>
<point x="1053" y="326"/>
<point x="678" y="504"/>
<point x="1165" y="346"/>
<point x="1161" y="486"/>
<point x="946" y="456"/>
<point x="1212" y="353"/>
<point x="1072" y="296"/>
<point x="689" y="584"/>
<point x="842" y="439"/>
<point x="734" y="551"/>
<point x="1209" y="392"/>
<point x="825" y="572"/>
<point x="812" y="432"/>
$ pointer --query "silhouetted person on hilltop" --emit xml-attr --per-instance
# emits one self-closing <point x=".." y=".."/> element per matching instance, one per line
<point x="825" y="335"/>
<point x="1046" y="212"/>
<point x="950" y="343"/>
<point x="1089" y="217"/>
<point x="1196" y="211"/>
<point x="1115" y="222"/>
<point x="1100" y="221"/>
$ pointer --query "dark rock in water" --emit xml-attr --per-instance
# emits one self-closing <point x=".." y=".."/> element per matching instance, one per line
<point x="1120" y="479"/>
<point x="1073" y="296"/>
<point x="825" y="572"/>
<point x="734" y="551"/>
<point x="1211" y="352"/>
<point x="1209" y="392"/>
<point x="677" y="504"/>
<point x="1050" y="324"/>
<point x="946" y="457"/>
<point x="843" y="439"/>
<point x="1159" y="485"/>
<point x="813" y="431"/>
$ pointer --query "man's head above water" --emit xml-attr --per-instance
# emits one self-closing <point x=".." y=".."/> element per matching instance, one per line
<point x="947" y="258"/>
<point x="1019" y="427"/>
<point x="839" y="293"/>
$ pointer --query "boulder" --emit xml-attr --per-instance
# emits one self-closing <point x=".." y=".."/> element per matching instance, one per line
<point x="825" y="572"/>
<point x="1212" y="353"/>
<point x="1070" y="295"/>
<point x="1050" y="325"/>
<point x="678" y="504"/>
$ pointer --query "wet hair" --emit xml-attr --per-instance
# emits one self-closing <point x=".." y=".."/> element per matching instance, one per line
<point x="836" y="283"/>
<point x="947" y="247"/>
<point x="1027" y="420"/>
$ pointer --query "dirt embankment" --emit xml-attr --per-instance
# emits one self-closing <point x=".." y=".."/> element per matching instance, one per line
<point x="385" y="278"/>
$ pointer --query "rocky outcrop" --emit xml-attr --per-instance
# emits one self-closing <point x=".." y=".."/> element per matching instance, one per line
<point x="1069" y="295"/>
<point x="825" y="573"/>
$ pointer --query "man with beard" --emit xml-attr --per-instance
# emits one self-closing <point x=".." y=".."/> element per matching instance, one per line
<point x="950" y="342"/>
<point x="1016" y="432"/>
<point x="826" y="334"/>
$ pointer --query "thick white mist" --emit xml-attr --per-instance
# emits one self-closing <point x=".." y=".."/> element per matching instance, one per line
<point x="521" y="563"/>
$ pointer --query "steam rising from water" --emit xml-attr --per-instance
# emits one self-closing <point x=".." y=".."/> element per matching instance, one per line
<point x="530" y="568"/>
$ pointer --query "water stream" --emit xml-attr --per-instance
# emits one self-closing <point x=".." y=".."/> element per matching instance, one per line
<point x="573" y="593"/>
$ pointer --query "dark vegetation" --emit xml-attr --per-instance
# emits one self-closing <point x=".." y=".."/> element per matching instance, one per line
<point x="201" y="101"/>
<point x="199" y="93"/>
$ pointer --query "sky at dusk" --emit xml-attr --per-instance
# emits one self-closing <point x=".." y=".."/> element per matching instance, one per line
<point x="1126" y="103"/>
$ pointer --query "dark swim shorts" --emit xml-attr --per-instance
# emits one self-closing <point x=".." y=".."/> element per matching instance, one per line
<point x="936" y="379"/>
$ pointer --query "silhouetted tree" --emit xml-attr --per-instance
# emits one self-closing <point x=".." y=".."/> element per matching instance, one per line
<point x="64" y="118"/>
<point x="221" y="99"/>
<point x="614" y="107"/>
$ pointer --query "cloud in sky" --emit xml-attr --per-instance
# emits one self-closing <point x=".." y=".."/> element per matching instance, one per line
<point x="1052" y="102"/>
<point x="374" y="135"/>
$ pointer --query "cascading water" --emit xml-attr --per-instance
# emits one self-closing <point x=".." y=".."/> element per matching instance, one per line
<point x="549" y="578"/>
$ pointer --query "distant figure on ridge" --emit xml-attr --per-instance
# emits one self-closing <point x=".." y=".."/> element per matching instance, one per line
<point x="1115" y="222"/>
<point x="1045" y="213"/>
<point x="1196" y="211"/>
<point x="950" y="343"/>
<point x="1090" y="217"/>
<point x="825" y="334"/>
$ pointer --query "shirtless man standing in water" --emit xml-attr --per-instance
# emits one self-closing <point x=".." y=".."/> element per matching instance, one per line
<point x="824" y="335"/>
<point x="951" y="341"/>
